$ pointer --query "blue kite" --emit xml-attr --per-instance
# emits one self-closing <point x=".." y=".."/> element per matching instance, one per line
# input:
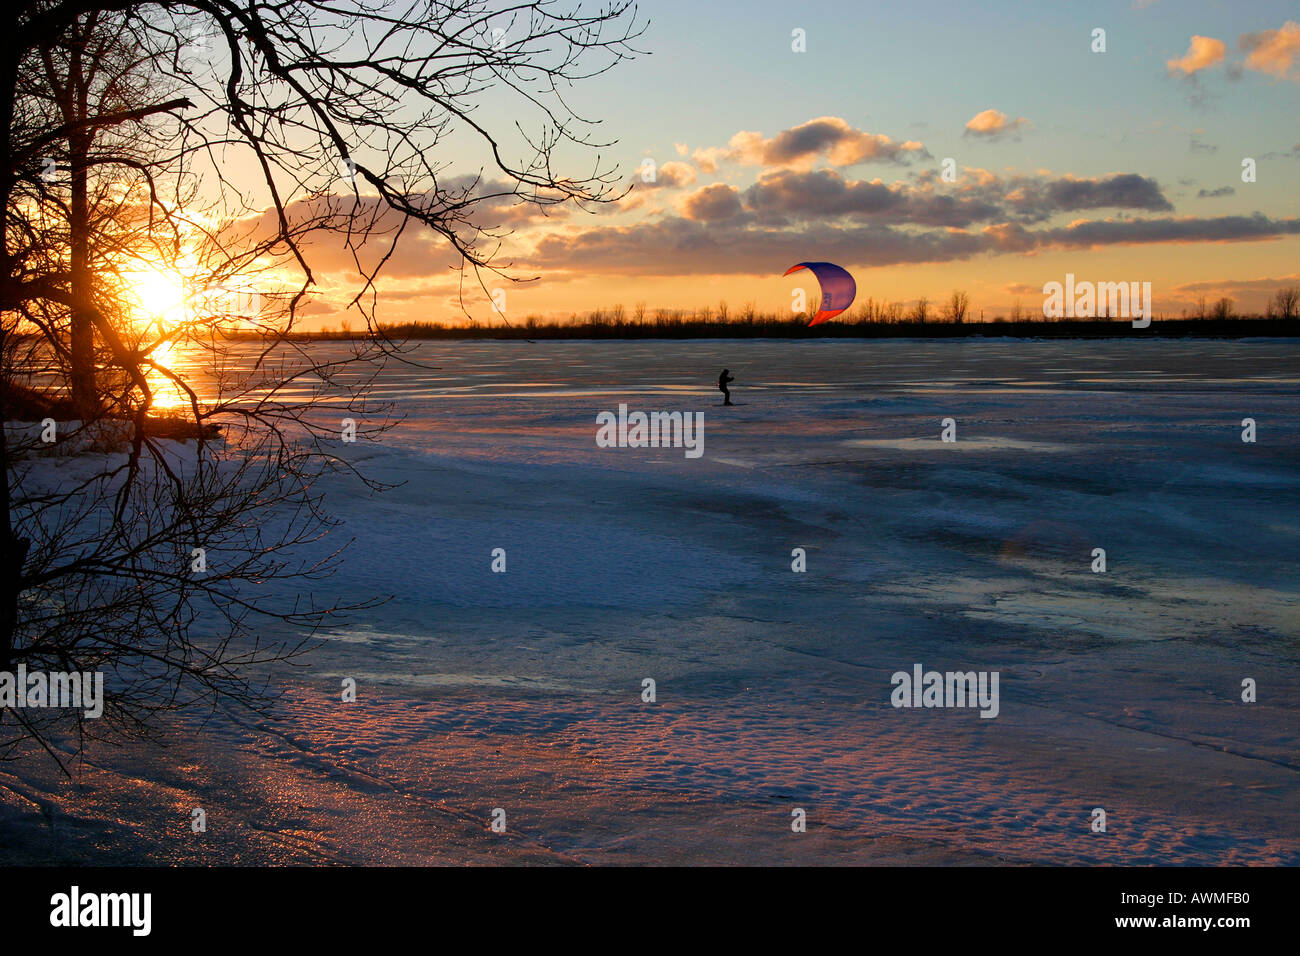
<point x="838" y="288"/>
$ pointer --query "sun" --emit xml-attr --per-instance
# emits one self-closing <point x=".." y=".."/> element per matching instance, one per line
<point x="158" y="295"/>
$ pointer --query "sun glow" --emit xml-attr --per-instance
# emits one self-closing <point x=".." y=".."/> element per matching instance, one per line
<point x="160" y="296"/>
<point x="158" y="299"/>
<point x="167" y="307"/>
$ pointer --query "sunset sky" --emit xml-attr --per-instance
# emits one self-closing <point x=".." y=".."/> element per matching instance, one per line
<point x="1117" y="166"/>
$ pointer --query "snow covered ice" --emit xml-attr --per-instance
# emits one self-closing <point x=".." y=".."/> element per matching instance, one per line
<point x="522" y="689"/>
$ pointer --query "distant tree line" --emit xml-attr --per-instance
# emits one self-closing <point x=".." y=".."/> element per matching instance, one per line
<point x="869" y="317"/>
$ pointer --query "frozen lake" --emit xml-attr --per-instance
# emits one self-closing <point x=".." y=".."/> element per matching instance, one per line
<point x="523" y="690"/>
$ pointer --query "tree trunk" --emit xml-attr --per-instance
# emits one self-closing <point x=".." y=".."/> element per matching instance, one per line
<point x="81" y="325"/>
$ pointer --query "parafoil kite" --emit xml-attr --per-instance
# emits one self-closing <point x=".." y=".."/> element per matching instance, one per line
<point x="838" y="288"/>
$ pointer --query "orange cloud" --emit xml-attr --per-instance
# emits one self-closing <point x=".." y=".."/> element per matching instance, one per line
<point x="669" y="175"/>
<point x="993" y="123"/>
<point x="1273" y="51"/>
<point x="1203" y="52"/>
<point x="800" y="146"/>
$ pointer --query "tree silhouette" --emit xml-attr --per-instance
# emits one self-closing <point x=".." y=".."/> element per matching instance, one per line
<point x="237" y="144"/>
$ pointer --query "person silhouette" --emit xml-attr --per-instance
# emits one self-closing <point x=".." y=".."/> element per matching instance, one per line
<point x="723" y="379"/>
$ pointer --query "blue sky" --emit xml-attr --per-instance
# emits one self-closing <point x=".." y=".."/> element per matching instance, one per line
<point x="723" y="228"/>
<point x="921" y="71"/>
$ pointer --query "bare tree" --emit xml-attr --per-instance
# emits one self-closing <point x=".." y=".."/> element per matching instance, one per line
<point x="144" y="565"/>
<point x="958" y="305"/>
<point x="1286" y="302"/>
<point x="1223" y="309"/>
<point x="921" y="310"/>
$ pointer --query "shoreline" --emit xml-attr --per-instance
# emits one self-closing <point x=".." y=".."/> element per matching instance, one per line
<point x="1038" y="329"/>
<point x="1046" y="330"/>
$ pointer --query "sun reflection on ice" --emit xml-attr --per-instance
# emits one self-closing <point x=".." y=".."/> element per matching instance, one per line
<point x="167" y="395"/>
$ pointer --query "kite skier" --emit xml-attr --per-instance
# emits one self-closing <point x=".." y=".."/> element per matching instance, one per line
<point x="723" y="379"/>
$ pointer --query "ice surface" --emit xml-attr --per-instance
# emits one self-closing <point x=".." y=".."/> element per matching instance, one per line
<point x="522" y="689"/>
